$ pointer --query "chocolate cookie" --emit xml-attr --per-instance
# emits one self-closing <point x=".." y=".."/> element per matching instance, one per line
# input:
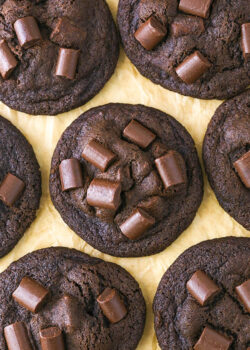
<point x="226" y="154"/>
<point x="203" y="300"/>
<point x="55" y="55"/>
<point x="65" y="297"/>
<point x="196" y="48"/>
<point x="20" y="185"/>
<point x="127" y="179"/>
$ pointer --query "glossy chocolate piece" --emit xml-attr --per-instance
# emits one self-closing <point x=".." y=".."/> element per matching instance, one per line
<point x="98" y="155"/>
<point x="112" y="306"/>
<point x="104" y="194"/>
<point x="137" y="224"/>
<point x="150" y="33"/>
<point x="242" y="166"/>
<point x="16" y="337"/>
<point x="243" y="292"/>
<point x="245" y="40"/>
<point x="172" y="170"/>
<point x="138" y="134"/>
<point x="27" y="32"/>
<point x="211" y="339"/>
<point x="186" y="25"/>
<point x="70" y="174"/>
<point x="202" y="288"/>
<point x="30" y="294"/>
<point x="67" y="63"/>
<point x="8" y="61"/>
<point x="67" y="34"/>
<point x="52" y="339"/>
<point x="11" y="189"/>
<point x="193" y="67"/>
<point x="196" y="7"/>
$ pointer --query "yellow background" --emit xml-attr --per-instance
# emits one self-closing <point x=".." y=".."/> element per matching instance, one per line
<point x="43" y="132"/>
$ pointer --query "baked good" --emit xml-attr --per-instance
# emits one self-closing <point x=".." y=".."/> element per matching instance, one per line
<point x="59" y="291"/>
<point x="56" y="54"/>
<point x="226" y="154"/>
<point x="203" y="299"/>
<point x="127" y="179"/>
<point x="196" y="48"/>
<point x="20" y="185"/>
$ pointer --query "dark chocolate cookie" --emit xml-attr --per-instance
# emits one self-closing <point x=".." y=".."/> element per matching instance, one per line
<point x="226" y="154"/>
<point x="57" y="54"/>
<point x="131" y="181"/>
<point x="203" y="300"/>
<point x="196" y="48"/>
<point x="74" y="281"/>
<point x="20" y="185"/>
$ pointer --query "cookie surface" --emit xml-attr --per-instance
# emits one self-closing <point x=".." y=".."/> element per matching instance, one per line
<point x="217" y="38"/>
<point x="17" y="158"/>
<point x="88" y="26"/>
<point x="180" y="319"/>
<point x="227" y="139"/>
<point x="134" y="168"/>
<point x="69" y="272"/>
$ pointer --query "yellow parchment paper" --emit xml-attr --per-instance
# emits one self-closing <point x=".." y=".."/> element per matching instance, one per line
<point x="43" y="132"/>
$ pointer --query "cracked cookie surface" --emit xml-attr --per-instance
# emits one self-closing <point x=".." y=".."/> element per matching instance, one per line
<point x="17" y="158"/>
<point x="33" y="86"/>
<point x="134" y="168"/>
<point x="227" y="139"/>
<point x="180" y="320"/>
<point x="82" y="278"/>
<point x="218" y="38"/>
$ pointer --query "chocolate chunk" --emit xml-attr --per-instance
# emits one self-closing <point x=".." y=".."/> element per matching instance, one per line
<point x="98" y="155"/>
<point x="138" y="134"/>
<point x="51" y="339"/>
<point x="172" y="170"/>
<point x="67" y="34"/>
<point x="67" y="311"/>
<point x="150" y="33"/>
<point x="8" y="61"/>
<point x="104" y="194"/>
<point x="185" y="25"/>
<point x="242" y="166"/>
<point x="27" y="32"/>
<point x="196" y="7"/>
<point x="211" y="339"/>
<point x="193" y="67"/>
<point x="202" y="288"/>
<point x="243" y="292"/>
<point x="16" y="337"/>
<point x="30" y="294"/>
<point x="245" y="40"/>
<point x="112" y="306"/>
<point x="67" y="63"/>
<point x="11" y="189"/>
<point x="137" y="224"/>
<point x="70" y="174"/>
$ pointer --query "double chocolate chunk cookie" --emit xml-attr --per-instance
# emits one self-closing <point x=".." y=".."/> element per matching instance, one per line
<point x="203" y="300"/>
<point x="226" y="154"/>
<point x="127" y="179"/>
<point x="199" y="48"/>
<point x="55" y="55"/>
<point x="20" y="185"/>
<point x="60" y="298"/>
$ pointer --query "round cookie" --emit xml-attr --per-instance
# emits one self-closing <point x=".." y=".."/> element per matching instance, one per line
<point x="179" y="34"/>
<point x="38" y="85"/>
<point x="20" y="192"/>
<point x="227" y="140"/>
<point x="75" y="281"/>
<point x="164" y="214"/>
<point x="180" y="319"/>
